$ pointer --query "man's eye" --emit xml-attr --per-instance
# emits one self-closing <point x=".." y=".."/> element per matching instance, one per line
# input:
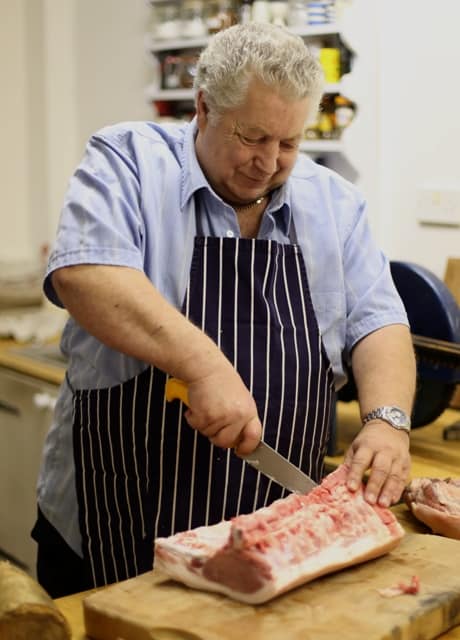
<point x="249" y="141"/>
<point x="290" y="146"/>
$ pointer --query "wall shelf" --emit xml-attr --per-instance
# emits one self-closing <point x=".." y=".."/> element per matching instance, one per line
<point x="155" y="94"/>
<point x="321" y="146"/>
<point x="159" y="48"/>
<point x="173" y="44"/>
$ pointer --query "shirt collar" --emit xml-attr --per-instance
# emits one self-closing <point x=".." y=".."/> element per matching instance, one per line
<point x="193" y="177"/>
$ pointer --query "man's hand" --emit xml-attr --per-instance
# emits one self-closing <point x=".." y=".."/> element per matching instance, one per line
<point x="385" y="451"/>
<point x="222" y="409"/>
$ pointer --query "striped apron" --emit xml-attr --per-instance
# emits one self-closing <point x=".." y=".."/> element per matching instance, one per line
<point x="142" y="472"/>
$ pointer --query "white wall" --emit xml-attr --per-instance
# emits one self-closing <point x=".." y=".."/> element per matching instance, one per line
<point x="14" y="128"/>
<point x="60" y="108"/>
<point x="113" y="67"/>
<point x="420" y="128"/>
<point x="69" y="67"/>
<point x="406" y="134"/>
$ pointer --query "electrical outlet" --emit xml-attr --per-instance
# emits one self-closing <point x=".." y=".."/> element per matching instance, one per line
<point x="438" y="206"/>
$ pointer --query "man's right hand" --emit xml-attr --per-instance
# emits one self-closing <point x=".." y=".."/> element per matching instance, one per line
<point x="222" y="409"/>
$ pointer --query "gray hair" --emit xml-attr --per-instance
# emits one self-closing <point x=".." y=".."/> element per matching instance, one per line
<point x="256" y="50"/>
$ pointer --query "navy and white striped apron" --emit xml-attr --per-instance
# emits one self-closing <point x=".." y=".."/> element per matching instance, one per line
<point x="142" y="472"/>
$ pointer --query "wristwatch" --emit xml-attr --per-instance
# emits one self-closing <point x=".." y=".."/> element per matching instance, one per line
<point x="395" y="416"/>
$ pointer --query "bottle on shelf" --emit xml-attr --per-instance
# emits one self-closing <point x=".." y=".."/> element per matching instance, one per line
<point x="245" y="12"/>
<point x="335" y="115"/>
<point x="326" y="122"/>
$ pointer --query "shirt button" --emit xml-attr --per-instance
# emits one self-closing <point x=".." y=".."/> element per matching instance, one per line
<point x="230" y="233"/>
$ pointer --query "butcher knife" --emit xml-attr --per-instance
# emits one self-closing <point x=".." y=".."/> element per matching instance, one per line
<point x="264" y="458"/>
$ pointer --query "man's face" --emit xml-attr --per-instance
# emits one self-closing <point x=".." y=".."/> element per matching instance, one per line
<point x="252" y="149"/>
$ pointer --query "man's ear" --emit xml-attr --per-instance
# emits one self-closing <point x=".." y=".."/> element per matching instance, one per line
<point x="202" y="110"/>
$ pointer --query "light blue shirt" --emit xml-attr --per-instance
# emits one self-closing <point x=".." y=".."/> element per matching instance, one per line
<point x="138" y="199"/>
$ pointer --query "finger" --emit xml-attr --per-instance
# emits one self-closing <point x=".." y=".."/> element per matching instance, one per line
<point x="392" y="487"/>
<point x="191" y="419"/>
<point x="226" y="436"/>
<point x="206" y="428"/>
<point x="398" y="494"/>
<point x="249" y="437"/>
<point x="380" y="472"/>
<point x="395" y="483"/>
<point x="358" y="462"/>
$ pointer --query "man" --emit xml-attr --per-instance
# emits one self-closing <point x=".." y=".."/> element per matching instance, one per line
<point x="216" y="253"/>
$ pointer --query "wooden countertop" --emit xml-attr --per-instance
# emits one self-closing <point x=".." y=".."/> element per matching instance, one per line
<point x="431" y="456"/>
<point x="72" y="608"/>
<point x="10" y="358"/>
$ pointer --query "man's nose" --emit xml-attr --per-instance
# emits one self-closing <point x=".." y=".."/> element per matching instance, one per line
<point x="267" y="157"/>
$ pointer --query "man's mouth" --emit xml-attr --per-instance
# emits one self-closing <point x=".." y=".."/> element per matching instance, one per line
<point x="259" y="180"/>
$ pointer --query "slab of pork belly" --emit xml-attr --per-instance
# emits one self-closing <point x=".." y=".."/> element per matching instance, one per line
<point x="255" y="557"/>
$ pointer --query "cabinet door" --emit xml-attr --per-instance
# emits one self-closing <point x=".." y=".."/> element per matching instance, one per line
<point x="26" y="407"/>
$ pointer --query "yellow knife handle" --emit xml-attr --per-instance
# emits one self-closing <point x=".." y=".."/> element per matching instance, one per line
<point x="176" y="389"/>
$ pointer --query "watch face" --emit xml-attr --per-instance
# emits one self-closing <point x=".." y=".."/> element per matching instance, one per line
<point x="398" y="417"/>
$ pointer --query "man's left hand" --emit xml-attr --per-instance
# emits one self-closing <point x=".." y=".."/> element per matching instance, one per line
<point x="385" y="451"/>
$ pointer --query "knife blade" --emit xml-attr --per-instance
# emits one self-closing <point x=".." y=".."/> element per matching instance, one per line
<point x="264" y="458"/>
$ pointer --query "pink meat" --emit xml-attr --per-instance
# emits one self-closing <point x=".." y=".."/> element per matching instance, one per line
<point x="402" y="588"/>
<point x="255" y="557"/>
<point x="443" y="495"/>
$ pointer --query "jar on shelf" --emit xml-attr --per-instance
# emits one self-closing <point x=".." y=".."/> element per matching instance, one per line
<point x="188" y="73"/>
<point x="165" y="20"/>
<point x="171" y="72"/>
<point x="221" y="14"/>
<point x="297" y="14"/>
<point x="345" y="110"/>
<point x="261" y="11"/>
<point x="192" y="16"/>
<point x="279" y="12"/>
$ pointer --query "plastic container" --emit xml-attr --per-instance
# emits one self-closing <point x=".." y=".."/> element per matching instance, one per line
<point x="330" y="61"/>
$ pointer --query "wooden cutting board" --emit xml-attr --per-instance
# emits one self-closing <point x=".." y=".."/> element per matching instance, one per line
<point x="343" y="605"/>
